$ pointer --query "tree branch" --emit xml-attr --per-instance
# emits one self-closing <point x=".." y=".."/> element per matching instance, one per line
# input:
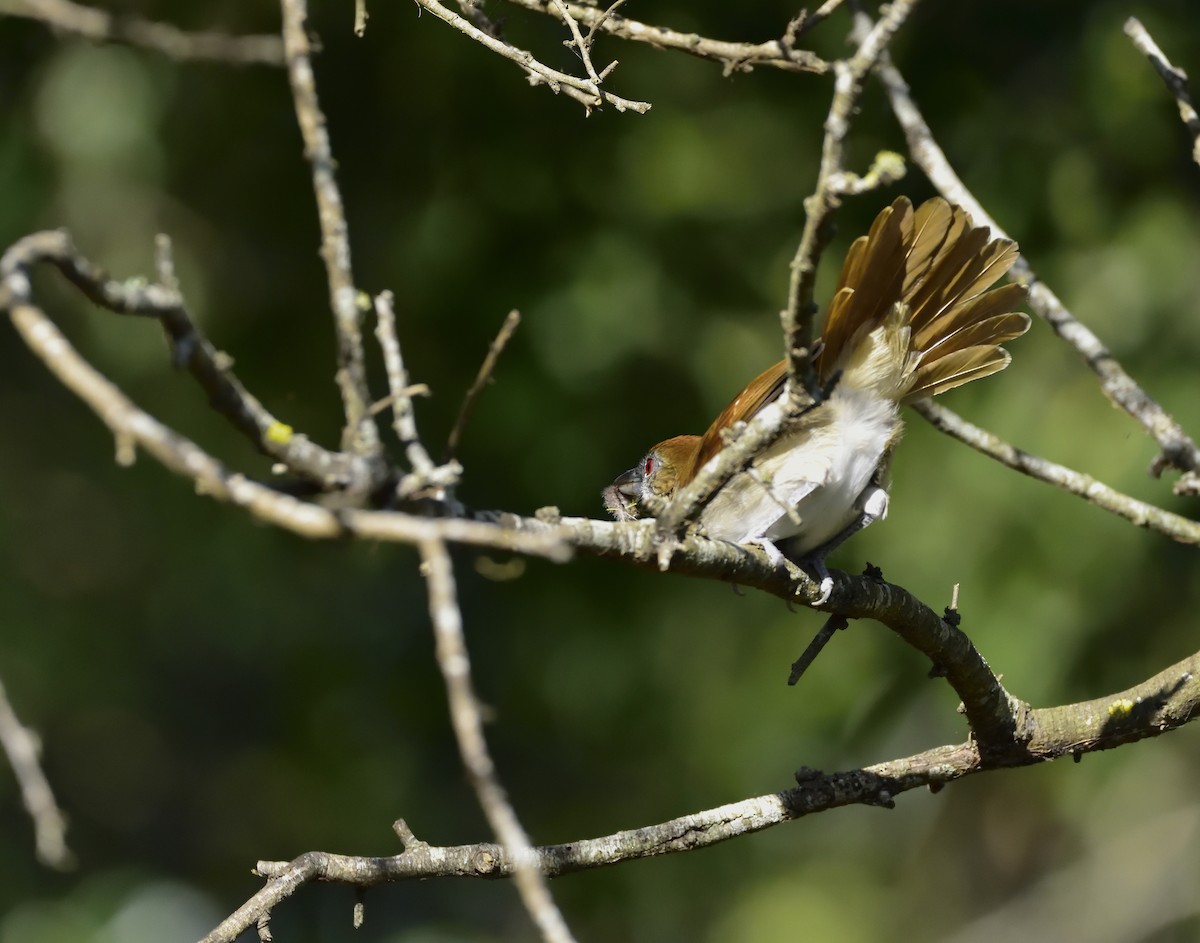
<point x="360" y="436"/>
<point x="451" y="654"/>
<point x="1174" y="78"/>
<point x="1179" y="450"/>
<point x="101" y="27"/>
<point x="776" y="53"/>
<point x="585" y="91"/>
<point x="23" y="750"/>
<point x="1168" y="700"/>
<point x="1137" y="512"/>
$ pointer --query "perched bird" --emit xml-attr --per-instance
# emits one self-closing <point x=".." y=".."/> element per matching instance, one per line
<point x="912" y="317"/>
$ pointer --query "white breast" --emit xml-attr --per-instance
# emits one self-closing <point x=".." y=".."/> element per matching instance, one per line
<point x="821" y="469"/>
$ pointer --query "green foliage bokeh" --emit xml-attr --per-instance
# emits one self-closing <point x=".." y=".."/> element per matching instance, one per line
<point x="211" y="692"/>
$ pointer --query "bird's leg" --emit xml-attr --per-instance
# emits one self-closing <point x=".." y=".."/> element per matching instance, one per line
<point x="874" y="507"/>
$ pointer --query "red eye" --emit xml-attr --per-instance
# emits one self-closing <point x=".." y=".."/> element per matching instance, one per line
<point x="649" y="465"/>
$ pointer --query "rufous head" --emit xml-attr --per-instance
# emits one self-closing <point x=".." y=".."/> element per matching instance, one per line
<point x="667" y="467"/>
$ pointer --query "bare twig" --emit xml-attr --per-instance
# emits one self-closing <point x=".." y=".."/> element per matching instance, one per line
<point x="1165" y="702"/>
<point x="99" y="26"/>
<point x="776" y="53"/>
<point x="1174" y="77"/>
<point x="807" y="21"/>
<point x="360" y="17"/>
<point x="133" y="428"/>
<point x="190" y="350"/>
<point x="1085" y="486"/>
<point x="360" y="434"/>
<point x="425" y="475"/>
<point x="482" y="379"/>
<point x="797" y="316"/>
<point x="1178" y="448"/>
<point x="584" y="91"/>
<point x="451" y="652"/>
<point x="582" y="46"/>
<point x="23" y="750"/>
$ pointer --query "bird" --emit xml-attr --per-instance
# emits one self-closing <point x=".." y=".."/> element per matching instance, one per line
<point x="913" y="315"/>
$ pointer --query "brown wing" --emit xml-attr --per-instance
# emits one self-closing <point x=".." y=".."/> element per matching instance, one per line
<point x="761" y="390"/>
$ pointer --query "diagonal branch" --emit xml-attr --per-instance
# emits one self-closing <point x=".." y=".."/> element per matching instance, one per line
<point x="1165" y="702"/>
<point x="22" y="748"/>
<point x="585" y="91"/>
<point x="1174" y="78"/>
<point x="1179" y="450"/>
<point x="1096" y="492"/>
<point x="452" y="659"/>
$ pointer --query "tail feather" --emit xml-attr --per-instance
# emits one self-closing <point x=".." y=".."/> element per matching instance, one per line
<point x="920" y="281"/>
<point x="955" y="369"/>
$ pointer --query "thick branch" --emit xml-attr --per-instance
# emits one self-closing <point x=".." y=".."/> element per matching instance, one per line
<point x="1162" y="703"/>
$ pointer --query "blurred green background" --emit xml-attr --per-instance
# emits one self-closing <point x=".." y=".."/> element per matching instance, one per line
<point x="211" y="691"/>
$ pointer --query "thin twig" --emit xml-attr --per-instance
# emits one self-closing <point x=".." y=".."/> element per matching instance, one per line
<point x="797" y="316"/>
<point x="102" y="27"/>
<point x="807" y="21"/>
<point x="134" y="428"/>
<point x="1178" y="448"/>
<point x="360" y="434"/>
<point x="776" y="53"/>
<point x="452" y="659"/>
<point x="192" y="351"/>
<point x="1174" y="77"/>
<point x="360" y="17"/>
<point x="425" y="474"/>
<point x="23" y="750"/>
<point x="581" y="45"/>
<point x="482" y="379"/>
<point x="1085" y="486"/>
<point x="582" y="90"/>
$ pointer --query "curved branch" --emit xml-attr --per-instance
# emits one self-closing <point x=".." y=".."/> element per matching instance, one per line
<point x="1162" y="703"/>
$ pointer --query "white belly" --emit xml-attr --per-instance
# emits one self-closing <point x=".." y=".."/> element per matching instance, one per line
<point x="820" y="470"/>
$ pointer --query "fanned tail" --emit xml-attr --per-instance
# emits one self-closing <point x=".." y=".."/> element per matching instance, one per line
<point x="914" y="314"/>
